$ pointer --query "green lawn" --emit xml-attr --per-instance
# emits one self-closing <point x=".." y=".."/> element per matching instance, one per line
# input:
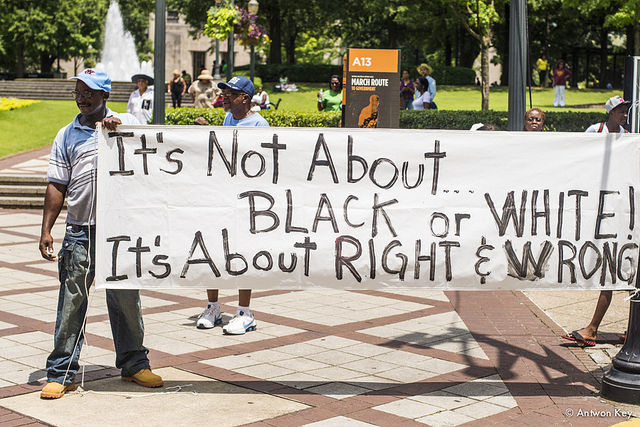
<point x="36" y="125"/>
<point x="457" y="98"/>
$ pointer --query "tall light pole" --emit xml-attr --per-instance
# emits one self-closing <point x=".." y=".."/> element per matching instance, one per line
<point x="253" y="8"/>
<point x="230" y="52"/>
<point x="216" y="75"/>
<point x="159" y="63"/>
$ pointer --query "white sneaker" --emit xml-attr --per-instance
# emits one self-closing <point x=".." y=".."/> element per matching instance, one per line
<point x="242" y="322"/>
<point x="210" y="317"/>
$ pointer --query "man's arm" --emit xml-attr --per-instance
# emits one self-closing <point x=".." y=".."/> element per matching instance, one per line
<point x="53" y="201"/>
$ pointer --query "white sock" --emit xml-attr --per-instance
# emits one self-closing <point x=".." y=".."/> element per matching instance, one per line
<point x="244" y="309"/>
<point x="213" y="305"/>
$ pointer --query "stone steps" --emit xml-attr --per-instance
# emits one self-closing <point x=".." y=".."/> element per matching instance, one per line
<point x="22" y="191"/>
<point x="55" y="89"/>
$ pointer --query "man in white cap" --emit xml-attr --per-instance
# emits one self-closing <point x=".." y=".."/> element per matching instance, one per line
<point x="618" y="111"/>
<point x="72" y="174"/>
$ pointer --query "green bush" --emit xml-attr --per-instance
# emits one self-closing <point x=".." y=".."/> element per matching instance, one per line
<point x="454" y="76"/>
<point x="186" y="116"/>
<point x="571" y="121"/>
<point x="409" y="119"/>
<point x="215" y="117"/>
<point x="307" y="73"/>
<point x="446" y="119"/>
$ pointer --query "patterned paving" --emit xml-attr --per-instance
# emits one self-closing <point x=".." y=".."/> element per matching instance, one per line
<point x="348" y="357"/>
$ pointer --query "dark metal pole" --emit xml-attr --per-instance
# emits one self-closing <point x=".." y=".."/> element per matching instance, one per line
<point x="216" y="75"/>
<point x="159" y="63"/>
<point x="631" y="91"/>
<point x="253" y="65"/>
<point x="230" y="52"/>
<point x="622" y="382"/>
<point x="517" y="65"/>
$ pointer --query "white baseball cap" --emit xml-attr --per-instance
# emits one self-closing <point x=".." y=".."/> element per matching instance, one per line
<point x="615" y="102"/>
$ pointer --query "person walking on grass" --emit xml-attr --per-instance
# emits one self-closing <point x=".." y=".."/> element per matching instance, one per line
<point x="72" y="174"/>
<point x="236" y="97"/>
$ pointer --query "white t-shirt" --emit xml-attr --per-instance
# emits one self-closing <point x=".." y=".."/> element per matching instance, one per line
<point x="257" y="98"/>
<point x="418" y="103"/>
<point x="73" y="163"/>
<point x="141" y="106"/>
<point x="596" y="129"/>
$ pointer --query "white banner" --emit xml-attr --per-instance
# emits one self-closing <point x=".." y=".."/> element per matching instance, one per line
<point x="290" y="208"/>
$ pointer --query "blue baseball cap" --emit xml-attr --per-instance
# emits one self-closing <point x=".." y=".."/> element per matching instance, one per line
<point x="240" y="83"/>
<point x="95" y="79"/>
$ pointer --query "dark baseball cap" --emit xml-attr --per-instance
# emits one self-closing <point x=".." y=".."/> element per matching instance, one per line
<point x="240" y="83"/>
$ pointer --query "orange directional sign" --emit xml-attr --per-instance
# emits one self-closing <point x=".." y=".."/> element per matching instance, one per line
<point x="373" y="60"/>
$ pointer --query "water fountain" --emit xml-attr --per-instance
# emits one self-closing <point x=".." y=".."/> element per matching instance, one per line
<point x="119" y="58"/>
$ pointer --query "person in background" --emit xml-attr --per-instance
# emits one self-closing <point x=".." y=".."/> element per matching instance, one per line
<point x="187" y="78"/>
<point x="617" y="115"/>
<point x="237" y="94"/>
<point x="618" y="112"/>
<point x="534" y="120"/>
<point x="177" y="88"/>
<point x="200" y="121"/>
<point x="422" y="102"/>
<point x="331" y="100"/>
<point x="203" y="91"/>
<point x="482" y="126"/>
<point x="425" y="71"/>
<point x="406" y="91"/>
<point x="560" y="76"/>
<point x="141" y="100"/>
<point x="542" y="65"/>
<point x="284" y="82"/>
<point x="72" y="175"/>
<point x="261" y="98"/>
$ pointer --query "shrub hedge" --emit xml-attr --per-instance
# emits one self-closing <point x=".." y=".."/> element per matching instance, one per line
<point x="409" y="119"/>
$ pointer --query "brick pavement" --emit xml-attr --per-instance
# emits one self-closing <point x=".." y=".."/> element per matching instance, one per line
<point x="319" y="357"/>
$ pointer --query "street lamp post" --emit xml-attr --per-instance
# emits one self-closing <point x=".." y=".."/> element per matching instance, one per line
<point x="230" y="53"/>
<point x="216" y="74"/>
<point x="253" y="8"/>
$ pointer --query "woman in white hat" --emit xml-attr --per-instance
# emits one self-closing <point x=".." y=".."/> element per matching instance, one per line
<point x="141" y="100"/>
<point x="203" y="91"/>
<point x="425" y="71"/>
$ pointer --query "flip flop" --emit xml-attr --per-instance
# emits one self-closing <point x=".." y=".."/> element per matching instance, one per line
<point x="575" y="336"/>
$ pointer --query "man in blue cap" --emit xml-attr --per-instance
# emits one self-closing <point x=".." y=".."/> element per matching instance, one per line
<point x="236" y="98"/>
<point x="72" y="174"/>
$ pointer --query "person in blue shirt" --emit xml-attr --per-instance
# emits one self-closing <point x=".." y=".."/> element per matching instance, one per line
<point x="236" y="98"/>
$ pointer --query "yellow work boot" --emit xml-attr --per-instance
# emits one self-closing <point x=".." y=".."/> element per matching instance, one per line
<point x="145" y="378"/>
<point x="54" y="390"/>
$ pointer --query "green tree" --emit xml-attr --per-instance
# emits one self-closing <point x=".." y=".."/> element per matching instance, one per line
<point x="477" y="17"/>
<point x="35" y="33"/>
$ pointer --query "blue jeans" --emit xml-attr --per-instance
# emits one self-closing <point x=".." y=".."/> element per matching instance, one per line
<point x="76" y="270"/>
